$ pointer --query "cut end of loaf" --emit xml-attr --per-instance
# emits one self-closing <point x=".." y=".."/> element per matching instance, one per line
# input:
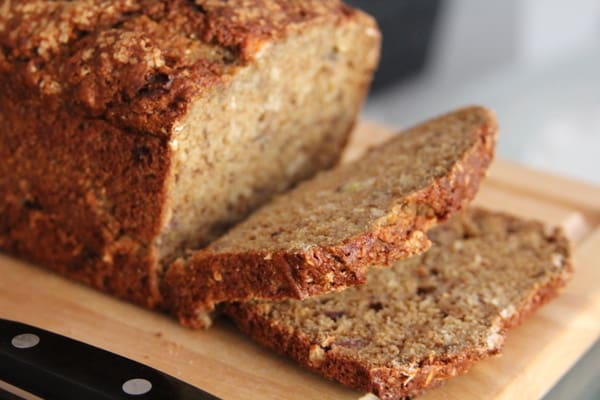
<point x="325" y="234"/>
<point x="170" y="120"/>
<point x="270" y="124"/>
<point x="426" y="319"/>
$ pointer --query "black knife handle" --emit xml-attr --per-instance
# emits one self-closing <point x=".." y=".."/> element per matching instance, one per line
<point x="56" y="367"/>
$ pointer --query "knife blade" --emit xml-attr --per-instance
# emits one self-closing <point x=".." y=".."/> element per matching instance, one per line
<point x="53" y="366"/>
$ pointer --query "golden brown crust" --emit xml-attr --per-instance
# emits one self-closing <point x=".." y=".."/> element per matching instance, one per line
<point x="71" y="194"/>
<point x="398" y="381"/>
<point x="193" y="287"/>
<point x="91" y="91"/>
<point x="139" y="63"/>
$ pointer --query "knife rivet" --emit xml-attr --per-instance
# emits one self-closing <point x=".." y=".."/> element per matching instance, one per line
<point x="137" y="386"/>
<point x="25" y="341"/>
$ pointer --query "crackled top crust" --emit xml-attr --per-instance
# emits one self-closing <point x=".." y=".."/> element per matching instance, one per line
<point x="138" y="63"/>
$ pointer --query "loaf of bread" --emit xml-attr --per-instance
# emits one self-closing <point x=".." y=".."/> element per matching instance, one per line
<point x="327" y="232"/>
<point x="133" y="129"/>
<point x="429" y="317"/>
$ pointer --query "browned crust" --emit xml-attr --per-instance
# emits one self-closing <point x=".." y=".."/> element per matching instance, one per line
<point x="387" y="382"/>
<point x="193" y="287"/>
<point x="72" y="202"/>
<point x="126" y="61"/>
<point x="86" y="113"/>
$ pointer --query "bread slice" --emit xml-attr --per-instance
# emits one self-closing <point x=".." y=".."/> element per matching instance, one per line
<point x="132" y="129"/>
<point x="325" y="234"/>
<point x="429" y="317"/>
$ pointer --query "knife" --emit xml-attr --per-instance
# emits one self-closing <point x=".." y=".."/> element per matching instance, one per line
<point x="51" y="366"/>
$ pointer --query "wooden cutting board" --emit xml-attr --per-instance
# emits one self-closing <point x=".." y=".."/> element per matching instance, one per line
<point x="225" y="363"/>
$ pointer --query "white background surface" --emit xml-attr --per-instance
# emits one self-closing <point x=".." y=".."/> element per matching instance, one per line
<point x="540" y="73"/>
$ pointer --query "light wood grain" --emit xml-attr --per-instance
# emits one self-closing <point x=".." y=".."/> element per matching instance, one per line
<point x="7" y="387"/>
<point x="227" y="364"/>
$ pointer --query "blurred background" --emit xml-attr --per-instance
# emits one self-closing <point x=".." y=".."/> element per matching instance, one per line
<point x="537" y="63"/>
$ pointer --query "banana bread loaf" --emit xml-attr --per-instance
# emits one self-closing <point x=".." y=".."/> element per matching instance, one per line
<point x="132" y="129"/>
<point x="427" y="318"/>
<point x="325" y="234"/>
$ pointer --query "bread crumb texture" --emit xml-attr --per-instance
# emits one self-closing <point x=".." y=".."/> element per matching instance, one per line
<point x="326" y="233"/>
<point x="373" y="192"/>
<point x="426" y="318"/>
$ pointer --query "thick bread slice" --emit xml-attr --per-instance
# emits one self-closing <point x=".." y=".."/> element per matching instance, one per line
<point x="325" y="234"/>
<point x="427" y="318"/>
